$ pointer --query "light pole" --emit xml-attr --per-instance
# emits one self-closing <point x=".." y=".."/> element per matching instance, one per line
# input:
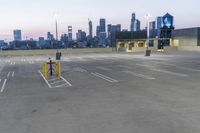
<point x="147" y="16"/>
<point x="148" y="52"/>
<point x="56" y="27"/>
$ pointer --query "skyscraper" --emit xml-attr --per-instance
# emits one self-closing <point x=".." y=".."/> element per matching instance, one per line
<point x="70" y="33"/>
<point x="50" y="36"/>
<point x="97" y="30"/>
<point x="17" y="35"/>
<point x="102" y="25"/>
<point x="81" y="35"/>
<point x="132" y="27"/>
<point x="152" y="25"/>
<point x="90" y="29"/>
<point x="109" y="27"/>
<point x="135" y="23"/>
<point x="159" y="24"/>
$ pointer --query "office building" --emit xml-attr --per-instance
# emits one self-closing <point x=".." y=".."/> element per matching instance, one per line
<point x="132" y="27"/>
<point x="109" y="27"/>
<point x="41" y="42"/>
<point x="102" y="25"/>
<point x="17" y="35"/>
<point x="97" y="30"/>
<point x="70" y="33"/>
<point x="152" y="25"/>
<point x="135" y="23"/>
<point x="159" y="24"/>
<point x="81" y="36"/>
<point x="90" y="29"/>
<point x="50" y="36"/>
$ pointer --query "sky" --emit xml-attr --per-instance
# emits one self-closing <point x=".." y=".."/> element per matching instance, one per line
<point x="36" y="17"/>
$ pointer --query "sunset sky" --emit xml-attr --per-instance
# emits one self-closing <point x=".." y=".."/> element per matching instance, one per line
<point x="36" y="17"/>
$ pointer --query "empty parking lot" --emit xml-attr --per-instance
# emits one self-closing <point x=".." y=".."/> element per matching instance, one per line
<point x="101" y="93"/>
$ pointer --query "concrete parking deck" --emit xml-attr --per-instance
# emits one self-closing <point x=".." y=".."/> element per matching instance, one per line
<point x="108" y="93"/>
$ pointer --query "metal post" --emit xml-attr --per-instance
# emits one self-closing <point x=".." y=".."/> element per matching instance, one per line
<point x="148" y="34"/>
<point x="148" y="31"/>
<point x="58" y="71"/>
<point x="51" y="68"/>
<point x="44" y="67"/>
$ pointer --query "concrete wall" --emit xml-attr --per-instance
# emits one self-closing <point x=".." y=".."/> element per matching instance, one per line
<point x="186" y="37"/>
<point x="189" y="48"/>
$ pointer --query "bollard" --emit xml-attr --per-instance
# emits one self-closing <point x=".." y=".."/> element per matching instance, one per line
<point x="44" y="68"/>
<point x="58" y="71"/>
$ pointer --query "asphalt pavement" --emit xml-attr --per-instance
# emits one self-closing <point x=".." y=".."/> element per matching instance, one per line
<point x="101" y="93"/>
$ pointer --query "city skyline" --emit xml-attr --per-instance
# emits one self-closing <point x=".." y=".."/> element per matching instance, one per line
<point x="37" y="18"/>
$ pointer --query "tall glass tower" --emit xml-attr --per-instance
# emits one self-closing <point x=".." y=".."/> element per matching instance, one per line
<point x="90" y="29"/>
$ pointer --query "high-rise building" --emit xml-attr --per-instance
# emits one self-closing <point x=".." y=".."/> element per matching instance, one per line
<point x="115" y="28"/>
<point x="41" y="42"/>
<point x="135" y="23"/>
<point x="97" y="30"/>
<point x="50" y="36"/>
<point x="81" y="35"/>
<point x="159" y="24"/>
<point x="102" y="24"/>
<point x="17" y="35"/>
<point x="152" y="25"/>
<point x="132" y="27"/>
<point x="90" y="29"/>
<point x="109" y="27"/>
<point x="70" y="33"/>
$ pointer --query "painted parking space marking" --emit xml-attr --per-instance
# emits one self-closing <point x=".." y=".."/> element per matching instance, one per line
<point x="56" y="82"/>
<point x="67" y="82"/>
<point x="104" y="68"/>
<point x="78" y="69"/>
<point x="169" y="72"/>
<point x="45" y="79"/>
<point x="111" y="80"/>
<point x="8" y="74"/>
<point x="13" y="74"/>
<point x="3" y="86"/>
<point x="139" y="75"/>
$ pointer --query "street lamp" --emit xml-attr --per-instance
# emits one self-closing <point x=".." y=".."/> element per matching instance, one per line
<point x="56" y="26"/>
<point x="147" y="16"/>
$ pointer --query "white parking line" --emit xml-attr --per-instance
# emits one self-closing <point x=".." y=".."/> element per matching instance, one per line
<point x="78" y="69"/>
<point x="52" y="83"/>
<point x="189" y="69"/>
<point x="13" y="74"/>
<point x="104" y="68"/>
<point x="44" y="79"/>
<point x="139" y="75"/>
<point x="169" y="72"/>
<point x="104" y="77"/>
<point x="3" y="86"/>
<point x="8" y="74"/>
<point x="52" y="79"/>
<point x="0" y="80"/>
<point x="66" y="81"/>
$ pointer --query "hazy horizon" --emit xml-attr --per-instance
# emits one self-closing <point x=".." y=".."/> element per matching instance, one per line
<point x="36" y="18"/>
